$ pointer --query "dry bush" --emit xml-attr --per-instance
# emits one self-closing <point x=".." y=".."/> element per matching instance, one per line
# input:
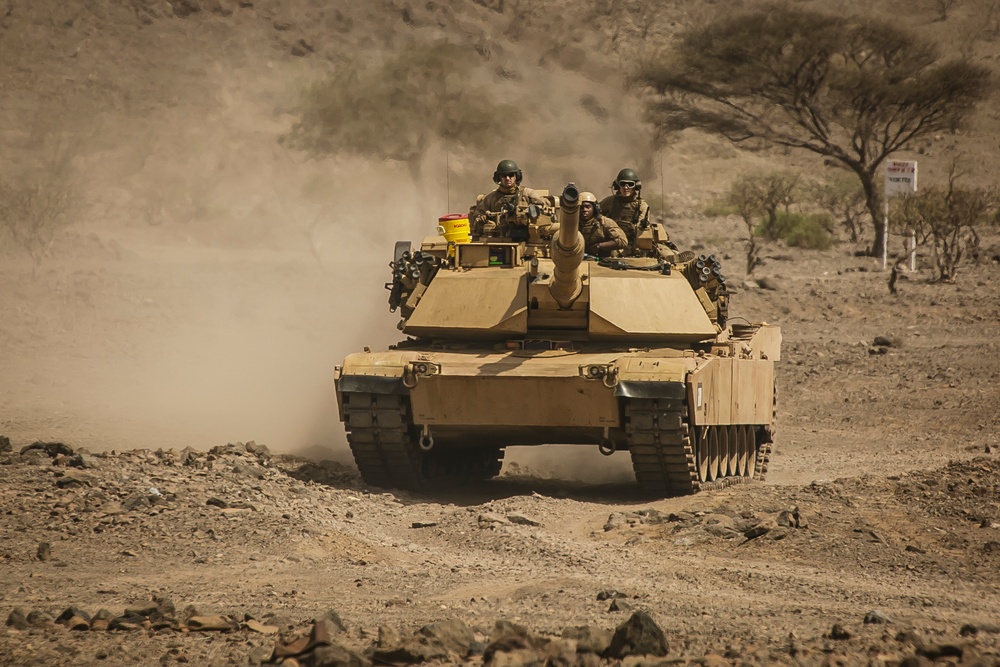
<point x="33" y="211"/>
<point x="37" y="202"/>
<point x="947" y="220"/>
<point x="757" y="200"/>
<point x="843" y="198"/>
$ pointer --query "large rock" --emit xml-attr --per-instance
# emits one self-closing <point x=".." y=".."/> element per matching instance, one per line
<point x="52" y="449"/>
<point x="509" y="644"/>
<point x="454" y="635"/>
<point x="335" y="655"/>
<point x="18" y="619"/>
<point x="589" y="639"/>
<point x="639" y="635"/>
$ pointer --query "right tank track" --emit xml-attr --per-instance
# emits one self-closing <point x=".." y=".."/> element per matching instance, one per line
<point x="671" y="457"/>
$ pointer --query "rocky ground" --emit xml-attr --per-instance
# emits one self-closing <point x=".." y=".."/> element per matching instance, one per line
<point x="229" y="556"/>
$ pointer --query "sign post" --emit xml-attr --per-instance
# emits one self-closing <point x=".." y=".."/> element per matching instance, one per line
<point x="900" y="179"/>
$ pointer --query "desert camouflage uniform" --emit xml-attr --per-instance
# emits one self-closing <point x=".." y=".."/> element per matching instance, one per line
<point x="512" y="207"/>
<point x="631" y="214"/>
<point x="599" y="229"/>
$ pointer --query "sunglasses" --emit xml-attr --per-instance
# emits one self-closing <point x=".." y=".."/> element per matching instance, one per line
<point x="626" y="184"/>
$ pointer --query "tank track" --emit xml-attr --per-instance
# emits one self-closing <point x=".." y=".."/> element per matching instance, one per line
<point x="660" y="445"/>
<point x="383" y="441"/>
<point x="665" y="453"/>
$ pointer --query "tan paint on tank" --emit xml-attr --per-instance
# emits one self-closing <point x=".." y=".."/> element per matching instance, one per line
<point x="631" y="304"/>
<point x="731" y="391"/>
<point x="512" y="399"/>
<point x="485" y="301"/>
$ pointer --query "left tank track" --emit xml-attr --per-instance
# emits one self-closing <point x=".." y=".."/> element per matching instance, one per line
<point x="670" y="457"/>
<point x="383" y="441"/>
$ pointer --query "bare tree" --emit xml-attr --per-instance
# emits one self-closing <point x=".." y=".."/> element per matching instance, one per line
<point x="851" y="89"/>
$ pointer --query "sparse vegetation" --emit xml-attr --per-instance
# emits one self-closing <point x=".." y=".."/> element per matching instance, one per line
<point x="764" y="204"/>
<point x="720" y="208"/>
<point x="396" y="109"/>
<point x="37" y="204"/>
<point x="32" y="212"/>
<point x="812" y="231"/>
<point x="851" y="89"/>
<point x="844" y="199"/>
<point x="947" y="220"/>
<point x="756" y="200"/>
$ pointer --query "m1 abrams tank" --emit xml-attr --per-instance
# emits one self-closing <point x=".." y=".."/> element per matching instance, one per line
<point x="530" y="342"/>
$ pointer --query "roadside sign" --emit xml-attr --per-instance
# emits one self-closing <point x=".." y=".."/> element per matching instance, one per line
<point x="900" y="177"/>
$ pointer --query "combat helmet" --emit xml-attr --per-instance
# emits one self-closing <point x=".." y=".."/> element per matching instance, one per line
<point x="589" y="197"/>
<point x="627" y="174"/>
<point x="507" y="167"/>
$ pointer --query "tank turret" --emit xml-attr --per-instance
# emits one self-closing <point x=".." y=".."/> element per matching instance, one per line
<point x="567" y="250"/>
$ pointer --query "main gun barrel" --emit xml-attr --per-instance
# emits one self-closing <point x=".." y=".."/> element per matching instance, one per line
<point x="567" y="250"/>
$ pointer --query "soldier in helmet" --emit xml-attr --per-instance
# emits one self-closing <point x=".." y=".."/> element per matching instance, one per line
<point x="601" y="236"/>
<point x="626" y="206"/>
<point x="502" y="211"/>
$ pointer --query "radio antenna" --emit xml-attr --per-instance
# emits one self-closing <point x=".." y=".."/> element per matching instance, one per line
<point x="663" y="189"/>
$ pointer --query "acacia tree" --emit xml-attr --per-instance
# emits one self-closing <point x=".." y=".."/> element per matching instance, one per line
<point x="853" y="90"/>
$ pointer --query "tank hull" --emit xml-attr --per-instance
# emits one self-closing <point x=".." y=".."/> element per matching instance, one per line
<point x="418" y="414"/>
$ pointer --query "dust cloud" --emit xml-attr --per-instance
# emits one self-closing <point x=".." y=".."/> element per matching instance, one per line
<point x="227" y="274"/>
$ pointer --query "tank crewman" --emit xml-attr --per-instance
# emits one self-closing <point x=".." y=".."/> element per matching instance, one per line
<point x="626" y="206"/>
<point x="496" y="213"/>
<point x="602" y="237"/>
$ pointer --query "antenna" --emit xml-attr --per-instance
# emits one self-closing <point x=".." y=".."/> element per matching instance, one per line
<point x="663" y="189"/>
<point x="447" y="150"/>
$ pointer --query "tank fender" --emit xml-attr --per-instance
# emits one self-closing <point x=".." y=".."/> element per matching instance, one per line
<point x="383" y="373"/>
<point x="371" y="384"/>
<point x="653" y="377"/>
<point x="651" y="389"/>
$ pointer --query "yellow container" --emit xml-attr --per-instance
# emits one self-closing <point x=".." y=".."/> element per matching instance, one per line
<point x="454" y="228"/>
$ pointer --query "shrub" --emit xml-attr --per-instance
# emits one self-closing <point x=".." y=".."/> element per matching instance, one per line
<point x="799" y="230"/>
<point x="720" y="208"/>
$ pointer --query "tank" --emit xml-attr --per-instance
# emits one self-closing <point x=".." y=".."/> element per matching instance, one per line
<point x="524" y="340"/>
